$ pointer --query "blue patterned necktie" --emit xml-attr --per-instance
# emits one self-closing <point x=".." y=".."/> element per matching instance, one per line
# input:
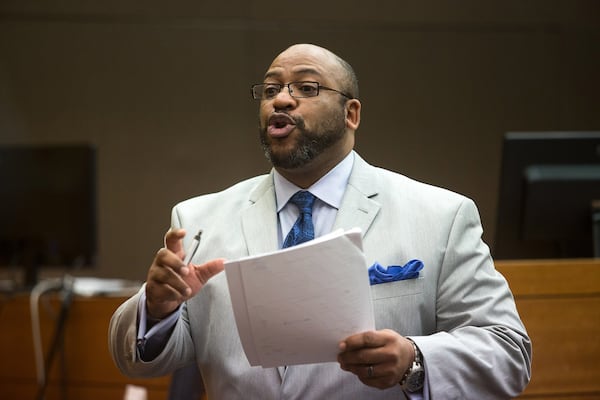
<point x="303" y="230"/>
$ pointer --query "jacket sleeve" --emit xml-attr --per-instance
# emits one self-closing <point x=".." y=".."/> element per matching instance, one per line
<point x="481" y="348"/>
<point x="122" y="341"/>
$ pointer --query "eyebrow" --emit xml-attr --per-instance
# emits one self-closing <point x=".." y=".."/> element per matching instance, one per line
<point x="301" y="71"/>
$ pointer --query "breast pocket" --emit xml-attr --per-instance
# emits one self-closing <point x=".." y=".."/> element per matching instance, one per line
<point x="398" y="305"/>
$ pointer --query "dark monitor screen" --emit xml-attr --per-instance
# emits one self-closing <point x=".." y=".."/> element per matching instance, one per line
<point x="548" y="183"/>
<point x="48" y="212"/>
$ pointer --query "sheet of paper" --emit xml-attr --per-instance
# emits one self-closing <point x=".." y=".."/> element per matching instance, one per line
<point x="293" y="306"/>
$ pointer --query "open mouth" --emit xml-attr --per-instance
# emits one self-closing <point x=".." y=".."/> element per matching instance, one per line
<point x="280" y="125"/>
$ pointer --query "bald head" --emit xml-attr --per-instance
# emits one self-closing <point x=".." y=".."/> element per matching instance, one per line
<point x="334" y="65"/>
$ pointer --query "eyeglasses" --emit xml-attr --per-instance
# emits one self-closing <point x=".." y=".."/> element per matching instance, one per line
<point x="268" y="91"/>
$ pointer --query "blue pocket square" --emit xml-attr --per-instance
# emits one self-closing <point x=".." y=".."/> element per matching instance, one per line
<point x="380" y="274"/>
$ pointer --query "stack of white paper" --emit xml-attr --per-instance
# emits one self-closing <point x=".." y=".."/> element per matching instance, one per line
<point x="295" y="305"/>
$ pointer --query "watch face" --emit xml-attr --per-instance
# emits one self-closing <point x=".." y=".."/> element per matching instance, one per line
<point x="414" y="381"/>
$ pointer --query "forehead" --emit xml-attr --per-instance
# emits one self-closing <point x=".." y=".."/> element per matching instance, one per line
<point x="303" y="61"/>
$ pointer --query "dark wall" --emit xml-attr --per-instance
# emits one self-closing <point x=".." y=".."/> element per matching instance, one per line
<point x="163" y="91"/>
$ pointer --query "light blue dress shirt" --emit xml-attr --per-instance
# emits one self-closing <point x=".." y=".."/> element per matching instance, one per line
<point x="329" y="191"/>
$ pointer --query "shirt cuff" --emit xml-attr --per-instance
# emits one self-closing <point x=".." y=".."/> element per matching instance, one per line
<point x="159" y="330"/>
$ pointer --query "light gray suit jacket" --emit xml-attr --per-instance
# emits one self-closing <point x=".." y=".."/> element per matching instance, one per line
<point x="459" y="311"/>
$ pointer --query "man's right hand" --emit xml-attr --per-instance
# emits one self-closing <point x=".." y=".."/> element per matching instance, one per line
<point x="170" y="282"/>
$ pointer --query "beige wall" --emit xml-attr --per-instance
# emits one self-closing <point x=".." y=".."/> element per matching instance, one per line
<point x="163" y="91"/>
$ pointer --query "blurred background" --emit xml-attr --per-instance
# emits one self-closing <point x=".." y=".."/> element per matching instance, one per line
<point x="163" y="92"/>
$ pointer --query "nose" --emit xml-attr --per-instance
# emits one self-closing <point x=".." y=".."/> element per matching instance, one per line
<point x="283" y="100"/>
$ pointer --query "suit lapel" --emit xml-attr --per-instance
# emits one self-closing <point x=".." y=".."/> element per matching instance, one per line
<point x="259" y="220"/>
<point x="358" y="208"/>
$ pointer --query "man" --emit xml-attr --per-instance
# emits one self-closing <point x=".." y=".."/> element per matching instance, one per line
<point x="452" y="333"/>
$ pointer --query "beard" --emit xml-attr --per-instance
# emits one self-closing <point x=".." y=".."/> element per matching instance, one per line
<point x="309" y="144"/>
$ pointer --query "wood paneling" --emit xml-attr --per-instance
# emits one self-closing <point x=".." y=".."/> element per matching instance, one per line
<point x="559" y="302"/>
<point x="89" y="371"/>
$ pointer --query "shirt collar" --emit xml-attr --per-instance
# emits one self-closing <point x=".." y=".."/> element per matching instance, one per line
<point x="329" y="189"/>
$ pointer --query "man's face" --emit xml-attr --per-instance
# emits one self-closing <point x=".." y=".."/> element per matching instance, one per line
<point x="294" y="131"/>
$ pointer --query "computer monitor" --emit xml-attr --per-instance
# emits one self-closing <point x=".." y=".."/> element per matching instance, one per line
<point x="548" y="183"/>
<point x="48" y="207"/>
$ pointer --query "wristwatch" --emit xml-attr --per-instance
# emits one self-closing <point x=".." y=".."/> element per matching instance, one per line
<point x="414" y="378"/>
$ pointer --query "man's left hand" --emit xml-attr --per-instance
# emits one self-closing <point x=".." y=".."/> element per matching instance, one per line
<point x="377" y="358"/>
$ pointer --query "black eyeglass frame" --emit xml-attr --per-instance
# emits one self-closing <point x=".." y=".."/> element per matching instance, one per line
<point x="291" y="90"/>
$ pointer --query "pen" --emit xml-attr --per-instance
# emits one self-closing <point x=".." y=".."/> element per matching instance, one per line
<point x="189" y="254"/>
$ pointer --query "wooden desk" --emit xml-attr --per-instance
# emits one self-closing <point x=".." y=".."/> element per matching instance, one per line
<point x="89" y="370"/>
<point x="559" y="303"/>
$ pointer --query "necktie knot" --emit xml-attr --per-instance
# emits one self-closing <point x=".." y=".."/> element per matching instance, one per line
<point x="303" y="230"/>
<point x="304" y="201"/>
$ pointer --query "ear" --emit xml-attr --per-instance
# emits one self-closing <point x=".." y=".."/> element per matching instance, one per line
<point x="353" y="114"/>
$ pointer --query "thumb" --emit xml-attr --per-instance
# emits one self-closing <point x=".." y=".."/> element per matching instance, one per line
<point x="209" y="269"/>
<point x="173" y="240"/>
